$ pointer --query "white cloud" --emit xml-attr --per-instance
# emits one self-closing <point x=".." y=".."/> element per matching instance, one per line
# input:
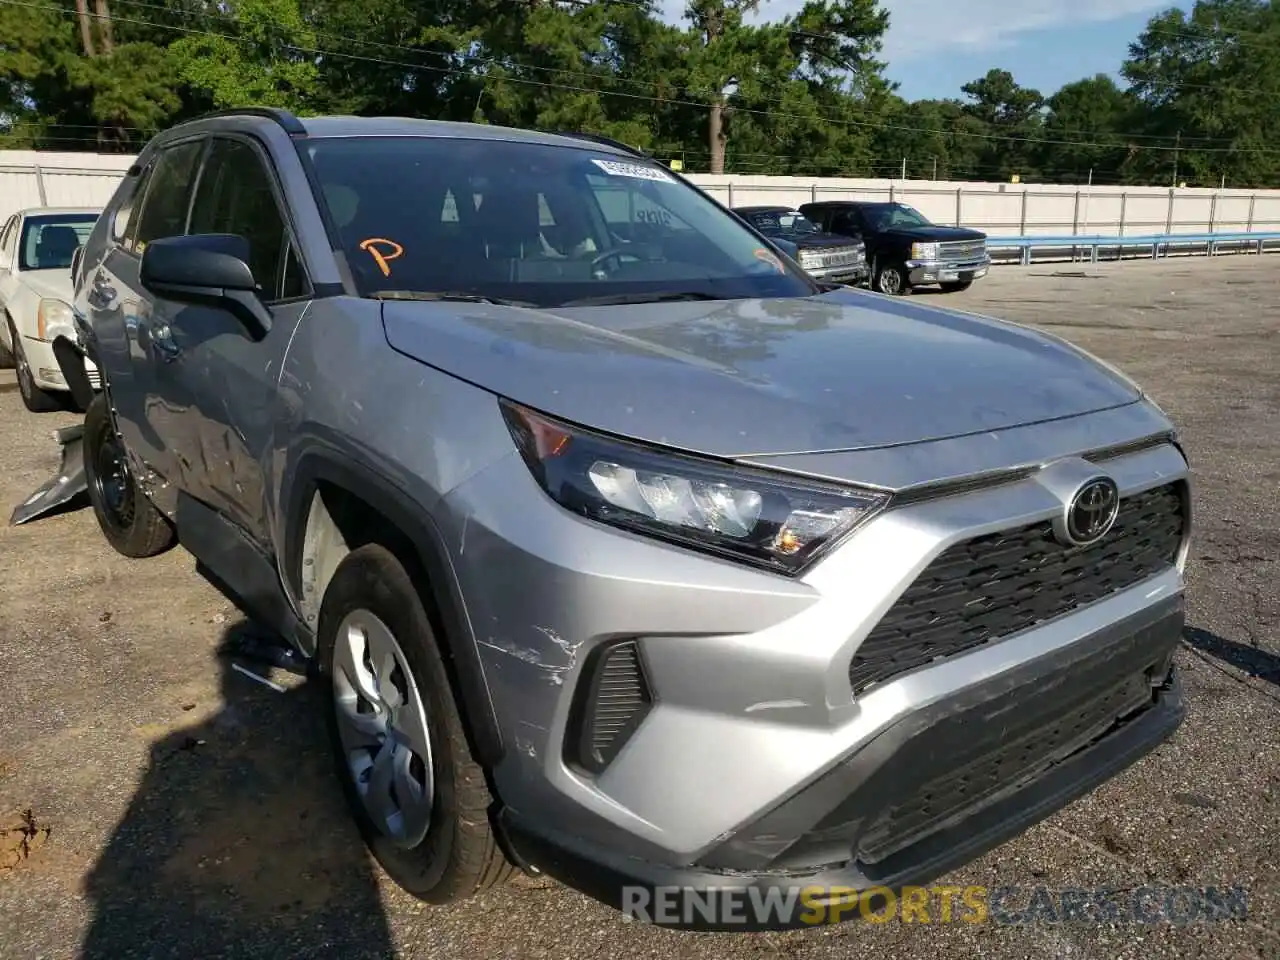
<point x="919" y="28"/>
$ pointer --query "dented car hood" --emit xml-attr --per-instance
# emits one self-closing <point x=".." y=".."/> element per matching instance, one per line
<point x="847" y="370"/>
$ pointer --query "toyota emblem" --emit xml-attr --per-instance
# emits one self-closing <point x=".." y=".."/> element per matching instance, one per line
<point x="1092" y="512"/>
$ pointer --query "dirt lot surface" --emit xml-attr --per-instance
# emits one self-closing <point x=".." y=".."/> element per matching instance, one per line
<point x="192" y="812"/>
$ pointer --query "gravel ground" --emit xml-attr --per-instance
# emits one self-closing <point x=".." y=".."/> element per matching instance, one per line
<point x="192" y="812"/>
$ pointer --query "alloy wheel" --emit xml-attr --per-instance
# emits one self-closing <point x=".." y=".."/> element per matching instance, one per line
<point x="890" y="281"/>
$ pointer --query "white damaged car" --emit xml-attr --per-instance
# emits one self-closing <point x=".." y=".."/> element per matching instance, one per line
<point x="37" y="247"/>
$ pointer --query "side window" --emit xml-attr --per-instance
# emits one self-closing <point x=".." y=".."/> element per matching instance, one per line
<point x="235" y="196"/>
<point x="633" y="215"/>
<point x="847" y="222"/>
<point x="122" y="218"/>
<point x="7" y="237"/>
<point x="163" y="211"/>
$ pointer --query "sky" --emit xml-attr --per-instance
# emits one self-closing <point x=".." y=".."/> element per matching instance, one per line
<point x="933" y="47"/>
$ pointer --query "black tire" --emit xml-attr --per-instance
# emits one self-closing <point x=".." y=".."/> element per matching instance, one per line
<point x="891" y="279"/>
<point x="957" y="287"/>
<point x="7" y="361"/>
<point x="33" y="398"/>
<point x="130" y="522"/>
<point x="460" y="855"/>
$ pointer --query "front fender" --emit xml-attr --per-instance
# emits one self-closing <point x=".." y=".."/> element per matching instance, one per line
<point x="68" y="483"/>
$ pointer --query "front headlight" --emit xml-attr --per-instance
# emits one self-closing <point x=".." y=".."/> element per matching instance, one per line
<point x="53" y="317"/>
<point x="924" y="251"/>
<point x="809" y="260"/>
<point x="775" y="522"/>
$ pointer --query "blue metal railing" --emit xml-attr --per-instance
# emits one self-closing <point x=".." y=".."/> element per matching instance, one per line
<point x="1212" y="243"/>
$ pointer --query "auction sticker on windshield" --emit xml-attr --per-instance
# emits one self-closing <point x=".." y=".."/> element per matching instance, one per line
<point x="637" y="171"/>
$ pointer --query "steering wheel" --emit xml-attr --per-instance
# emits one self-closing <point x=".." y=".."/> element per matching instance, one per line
<point x="636" y="252"/>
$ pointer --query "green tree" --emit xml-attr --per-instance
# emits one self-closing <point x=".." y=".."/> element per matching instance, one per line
<point x="1086" y="129"/>
<point x="265" y="57"/>
<point x="1208" y="83"/>
<point x="1012" y="115"/>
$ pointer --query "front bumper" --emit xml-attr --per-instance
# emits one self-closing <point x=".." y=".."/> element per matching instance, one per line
<point x="853" y="275"/>
<point x="739" y="770"/>
<point x="947" y="271"/>
<point x="826" y="842"/>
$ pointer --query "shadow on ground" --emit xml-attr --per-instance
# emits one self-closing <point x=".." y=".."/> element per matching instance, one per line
<point x="238" y="843"/>
<point x="1252" y="660"/>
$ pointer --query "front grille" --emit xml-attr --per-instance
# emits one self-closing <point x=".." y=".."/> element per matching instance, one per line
<point x="614" y="698"/>
<point x="962" y="249"/>
<point x="95" y="379"/>
<point x="842" y="257"/>
<point x="997" y="585"/>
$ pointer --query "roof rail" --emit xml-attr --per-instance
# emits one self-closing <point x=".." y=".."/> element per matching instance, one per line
<point x="607" y="141"/>
<point x="291" y="124"/>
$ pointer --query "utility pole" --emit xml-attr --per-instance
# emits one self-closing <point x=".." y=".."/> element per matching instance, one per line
<point x="935" y="169"/>
<point x="1177" y="142"/>
<point x="904" y="168"/>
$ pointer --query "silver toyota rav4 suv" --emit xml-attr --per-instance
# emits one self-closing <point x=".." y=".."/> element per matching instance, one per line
<point x="630" y="553"/>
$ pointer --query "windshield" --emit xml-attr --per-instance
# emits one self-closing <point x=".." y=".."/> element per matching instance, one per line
<point x="50" y="240"/>
<point x="534" y="223"/>
<point x="886" y="216"/>
<point x="779" y="222"/>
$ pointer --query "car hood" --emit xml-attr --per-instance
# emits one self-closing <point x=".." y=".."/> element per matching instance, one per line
<point x="846" y="370"/>
<point x="49" y="283"/>
<point x="821" y="241"/>
<point x="936" y="233"/>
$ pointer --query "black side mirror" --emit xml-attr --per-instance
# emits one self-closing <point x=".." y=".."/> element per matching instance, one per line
<point x="209" y="269"/>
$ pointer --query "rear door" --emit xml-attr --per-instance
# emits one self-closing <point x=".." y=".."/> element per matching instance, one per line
<point x="128" y="322"/>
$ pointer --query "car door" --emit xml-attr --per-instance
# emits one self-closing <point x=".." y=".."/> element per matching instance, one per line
<point x="128" y="322"/>
<point x="226" y="380"/>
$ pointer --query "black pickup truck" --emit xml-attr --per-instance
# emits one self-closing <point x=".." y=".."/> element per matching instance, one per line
<point x="905" y="250"/>
<point x="824" y="256"/>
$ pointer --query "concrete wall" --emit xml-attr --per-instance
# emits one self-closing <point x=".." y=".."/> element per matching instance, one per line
<point x="29" y="178"/>
<point x="36" y="179"/>
<point x="1010" y="209"/>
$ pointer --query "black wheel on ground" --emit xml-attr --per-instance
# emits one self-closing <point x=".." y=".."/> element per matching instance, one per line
<point x="957" y="287"/>
<point x="420" y="799"/>
<point x="131" y="523"/>
<point x="33" y="398"/>
<point x="891" y="279"/>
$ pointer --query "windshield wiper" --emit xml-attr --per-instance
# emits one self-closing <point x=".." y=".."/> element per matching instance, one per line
<point x="621" y="298"/>
<point x="456" y="296"/>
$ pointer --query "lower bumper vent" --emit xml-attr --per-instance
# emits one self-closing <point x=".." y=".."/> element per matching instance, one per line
<point x="613" y="697"/>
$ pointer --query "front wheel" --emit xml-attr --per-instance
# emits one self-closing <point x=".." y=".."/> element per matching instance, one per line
<point x="891" y="279"/>
<point x="420" y="799"/>
<point x="33" y="397"/>
<point x="131" y="523"/>
<point x="957" y="287"/>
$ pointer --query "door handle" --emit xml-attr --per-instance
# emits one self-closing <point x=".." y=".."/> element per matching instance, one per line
<point x="102" y="293"/>
<point x="160" y="338"/>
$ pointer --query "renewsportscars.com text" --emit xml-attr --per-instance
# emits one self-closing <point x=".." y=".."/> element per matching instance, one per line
<point x="934" y="904"/>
